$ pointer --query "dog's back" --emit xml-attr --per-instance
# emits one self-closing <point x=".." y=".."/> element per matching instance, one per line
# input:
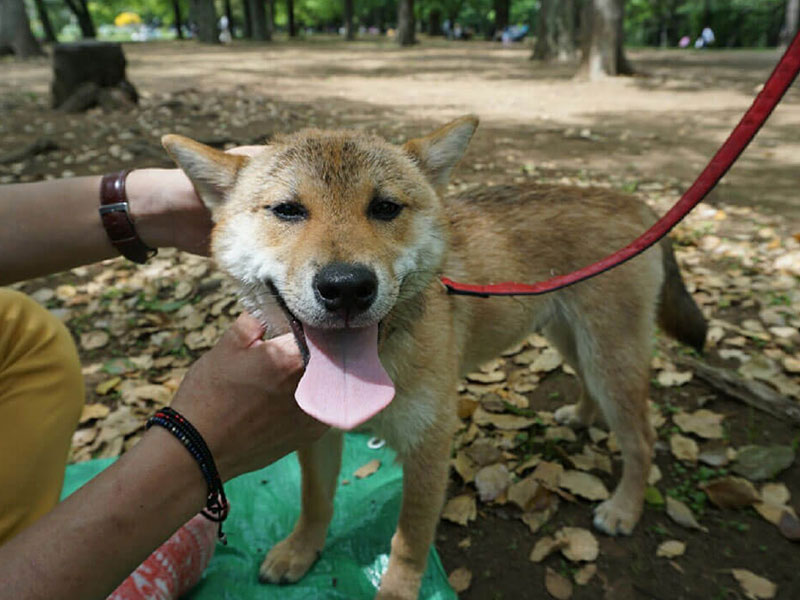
<point x="531" y="232"/>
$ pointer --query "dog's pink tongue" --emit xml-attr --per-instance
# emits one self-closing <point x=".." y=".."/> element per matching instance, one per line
<point x="344" y="383"/>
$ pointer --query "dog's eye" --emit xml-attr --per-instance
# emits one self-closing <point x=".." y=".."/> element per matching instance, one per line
<point x="290" y="211"/>
<point x="383" y="209"/>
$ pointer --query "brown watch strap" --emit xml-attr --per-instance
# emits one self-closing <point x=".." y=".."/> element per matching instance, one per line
<point x="117" y="220"/>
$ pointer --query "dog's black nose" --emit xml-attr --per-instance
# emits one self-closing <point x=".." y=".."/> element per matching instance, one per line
<point x="346" y="287"/>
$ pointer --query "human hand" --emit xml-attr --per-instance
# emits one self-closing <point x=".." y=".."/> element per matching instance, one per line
<point x="167" y="211"/>
<point x="240" y="397"/>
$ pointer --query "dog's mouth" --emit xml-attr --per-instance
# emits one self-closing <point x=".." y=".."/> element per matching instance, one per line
<point x="345" y="383"/>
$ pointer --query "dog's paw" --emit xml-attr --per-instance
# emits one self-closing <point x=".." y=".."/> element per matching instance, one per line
<point x="288" y="561"/>
<point x="613" y="518"/>
<point x="571" y="416"/>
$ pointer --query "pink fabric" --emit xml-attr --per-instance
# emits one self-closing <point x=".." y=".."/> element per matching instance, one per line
<point x="175" y="568"/>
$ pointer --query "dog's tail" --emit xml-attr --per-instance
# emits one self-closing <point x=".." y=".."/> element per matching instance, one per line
<point x="678" y="314"/>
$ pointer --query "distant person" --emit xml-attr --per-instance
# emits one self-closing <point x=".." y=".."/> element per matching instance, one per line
<point x="708" y="36"/>
<point x="684" y="42"/>
<point x="224" y="30"/>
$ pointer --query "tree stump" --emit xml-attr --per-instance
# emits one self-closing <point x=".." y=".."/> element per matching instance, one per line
<point x="89" y="73"/>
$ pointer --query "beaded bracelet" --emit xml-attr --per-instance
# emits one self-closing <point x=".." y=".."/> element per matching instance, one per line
<point x="217" y="506"/>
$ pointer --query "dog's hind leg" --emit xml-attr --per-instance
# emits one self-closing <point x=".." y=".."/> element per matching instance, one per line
<point x="424" y="484"/>
<point x="290" y="559"/>
<point x="616" y="371"/>
<point x="583" y="413"/>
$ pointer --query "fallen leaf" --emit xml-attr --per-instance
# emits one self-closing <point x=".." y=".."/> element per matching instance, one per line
<point x="492" y="481"/>
<point x="714" y="456"/>
<point x="583" y="484"/>
<point x="94" y="411"/>
<point x="483" y="453"/>
<point x="754" y="587"/>
<point x="367" y="469"/>
<point x="481" y="377"/>
<point x="775" y="493"/>
<point x="158" y="394"/>
<point x="482" y="417"/>
<point x="536" y="519"/>
<point x="731" y="492"/>
<point x="543" y="548"/>
<point x="584" y="575"/>
<point x="466" y="407"/>
<point x="682" y="514"/>
<point x="670" y="549"/>
<point x="558" y="586"/>
<point x="789" y="526"/>
<point x="460" y="579"/>
<point x="655" y="475"/>
<point x="465" y="466"/>
<point x="673" y="378"/>
<point x="757" y="463"/>
<point x="548" y="473"/>
<point x="548" y="360"/>
<point x="653" y="496"/>
<point x="683" y="448"/>
<point x="578" y="544"/>
<point x="560" y="433"/>
<point x="773" y="512"/>
<point x="523" y="493"/>
<point x="705" y="423"/>
<point x="92" y="340"/>
<point x="461" y="509"/>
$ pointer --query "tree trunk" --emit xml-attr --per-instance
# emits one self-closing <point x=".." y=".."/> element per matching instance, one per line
<point x="204" y="15"/>
<point x="258" y="20"/>
<point x="349" y="31"/>
<point x="15" y="30"/>
<point x="502" y="9"/>
<point x="49" y="33"/>
<point x="790" y="22"/>
<point x="247" y="24"/>
<point x="604" y="54"/>
<point x="405" y="23"/>
<point x="555" y="36"/>
<point x="178" y="21"/>
<point x="435" y="22"/>
<point x="543" y="49"/>
<point x="290" y="13"/>
<point x="229" y="14"/>
<point x="81" y="11"/>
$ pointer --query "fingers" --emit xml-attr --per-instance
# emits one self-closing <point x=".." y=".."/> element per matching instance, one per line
<point x="246" y="330"/>
<point x="284" y="353"/>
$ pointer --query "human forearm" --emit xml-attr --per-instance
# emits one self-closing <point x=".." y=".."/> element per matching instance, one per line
<point x="95" y="538"/>
<point x="50" y="226"/>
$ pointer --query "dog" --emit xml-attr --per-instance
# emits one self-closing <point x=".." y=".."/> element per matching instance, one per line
<point x="348" y="235"/>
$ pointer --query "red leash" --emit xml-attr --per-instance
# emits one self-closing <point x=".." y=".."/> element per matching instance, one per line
<point x="774" y="89"/>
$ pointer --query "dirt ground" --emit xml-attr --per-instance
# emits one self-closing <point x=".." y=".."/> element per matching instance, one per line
<point x="650" y="135"/>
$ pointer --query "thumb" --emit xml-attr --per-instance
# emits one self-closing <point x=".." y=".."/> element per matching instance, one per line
<point x="246" y="331"/>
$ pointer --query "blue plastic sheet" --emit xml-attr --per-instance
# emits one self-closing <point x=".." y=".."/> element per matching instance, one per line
<point x="264" y="507"/>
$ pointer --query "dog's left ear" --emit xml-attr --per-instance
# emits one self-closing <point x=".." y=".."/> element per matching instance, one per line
<point x="440" y="151"/>
<point x="211" y="171"/>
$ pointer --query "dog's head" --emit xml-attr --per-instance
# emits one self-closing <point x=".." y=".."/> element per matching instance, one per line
<point x="338" y="227"/>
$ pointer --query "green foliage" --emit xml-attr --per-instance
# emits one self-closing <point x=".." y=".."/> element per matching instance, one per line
<point x="647" y="22"/>
<point x="734" y="22"/>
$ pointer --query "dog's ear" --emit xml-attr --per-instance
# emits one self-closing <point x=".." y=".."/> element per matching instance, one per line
<point x="211" y="171"/>
<point x="440" y="151"/>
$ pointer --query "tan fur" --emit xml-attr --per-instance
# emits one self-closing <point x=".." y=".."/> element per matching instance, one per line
<point x="602" y="327"/>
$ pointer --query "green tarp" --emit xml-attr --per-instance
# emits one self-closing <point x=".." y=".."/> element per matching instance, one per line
<point x="264" y="507"/>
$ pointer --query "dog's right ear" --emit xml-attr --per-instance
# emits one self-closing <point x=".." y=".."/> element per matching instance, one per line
<point x="211" y="171"/>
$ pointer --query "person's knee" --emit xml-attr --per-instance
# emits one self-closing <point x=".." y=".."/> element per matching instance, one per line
<point x="37" y="350"/>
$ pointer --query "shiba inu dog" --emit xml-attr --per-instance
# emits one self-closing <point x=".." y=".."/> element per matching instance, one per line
<point x="347" y="235"/>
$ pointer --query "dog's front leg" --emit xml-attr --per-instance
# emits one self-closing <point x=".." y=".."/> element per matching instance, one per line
<point x="290" y="559"/>
<point x="424" y="484"/>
